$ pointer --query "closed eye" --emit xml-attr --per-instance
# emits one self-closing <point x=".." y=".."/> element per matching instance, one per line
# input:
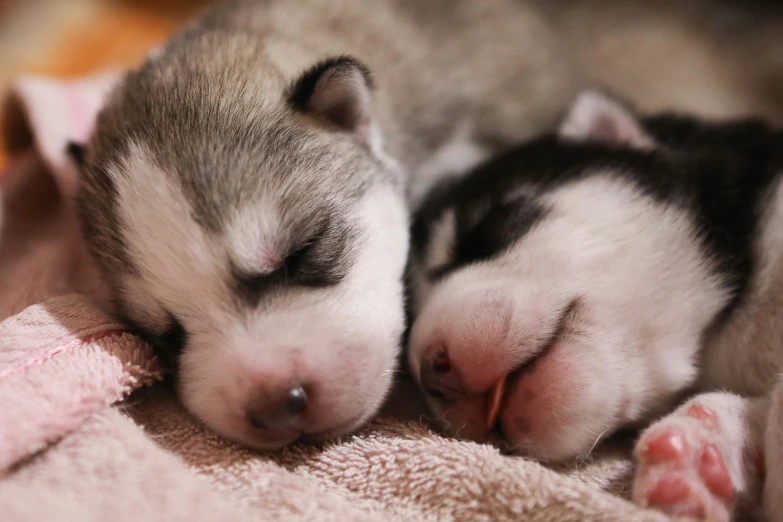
<point x="480" y="239"/>
<point x="294" y="262"/>
<point x="502" y="226"/>
<point x="434" y="274"/>
<point x="169" y="344"/>
<point x="319" y="262"/>
<point x="287" y="268"/>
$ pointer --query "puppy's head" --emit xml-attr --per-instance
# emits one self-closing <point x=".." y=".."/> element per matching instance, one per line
<point x="253" y="229"/>
<point x="562" y="291"/>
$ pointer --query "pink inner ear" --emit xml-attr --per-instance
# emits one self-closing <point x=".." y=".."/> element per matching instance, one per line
<point x="604" y="128"/>
<point x="81" y="115"/>
<point x="617" y="128"/>
<point x="344" y="100"/>
<point x="57" y="112"/>
<point x="596" y="117"/>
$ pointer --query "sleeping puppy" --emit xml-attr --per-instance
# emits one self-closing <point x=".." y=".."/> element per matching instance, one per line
<point x="588" y="281"/>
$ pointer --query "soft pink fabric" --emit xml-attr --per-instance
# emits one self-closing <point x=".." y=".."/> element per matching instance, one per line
<point x="60" y="362"/>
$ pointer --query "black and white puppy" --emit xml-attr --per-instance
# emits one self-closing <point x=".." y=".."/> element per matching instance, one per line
<point x="587" y="281"/>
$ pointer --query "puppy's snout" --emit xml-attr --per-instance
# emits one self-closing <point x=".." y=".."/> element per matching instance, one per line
<point x="439" y="378"/>
<point x="279" y="411"/>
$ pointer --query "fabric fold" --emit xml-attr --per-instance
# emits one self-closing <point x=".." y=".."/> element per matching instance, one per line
<point x="61" y="362"/>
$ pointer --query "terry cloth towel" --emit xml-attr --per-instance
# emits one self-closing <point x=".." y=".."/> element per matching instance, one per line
<point x="89" y="432"/>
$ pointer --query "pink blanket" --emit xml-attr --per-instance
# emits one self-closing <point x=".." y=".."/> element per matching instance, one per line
<point x="76" y="444"/>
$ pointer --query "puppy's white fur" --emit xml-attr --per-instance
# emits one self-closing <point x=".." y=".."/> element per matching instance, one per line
<point x="641" y="334"/>
<point x="338" y="338"/>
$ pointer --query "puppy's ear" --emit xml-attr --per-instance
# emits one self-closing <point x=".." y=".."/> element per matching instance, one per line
<point x="76" y="152"/>
<point x="597" y="117"/>
<point x="338" y="92"/>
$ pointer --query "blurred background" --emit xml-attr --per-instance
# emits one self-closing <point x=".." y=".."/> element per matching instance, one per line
<point x="65" y="38"/>
<point x="70" y="38"/>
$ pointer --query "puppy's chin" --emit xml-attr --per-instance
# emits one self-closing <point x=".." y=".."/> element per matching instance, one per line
<point x="247" y="436"/>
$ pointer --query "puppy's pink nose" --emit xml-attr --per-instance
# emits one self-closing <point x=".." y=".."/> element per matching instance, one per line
<point x="439" y="378"/>
<point x="278" y="412"/>
<point x="442" y="379"/>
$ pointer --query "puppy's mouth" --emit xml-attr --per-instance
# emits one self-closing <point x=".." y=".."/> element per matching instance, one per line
<point x="266" y="439"/>
<point x="275" y="439"/>
<point x="498" y="395"/>
<point x="346" y="428"/>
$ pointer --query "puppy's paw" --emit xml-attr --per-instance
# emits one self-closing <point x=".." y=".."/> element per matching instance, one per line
<point x="685" y="463"/>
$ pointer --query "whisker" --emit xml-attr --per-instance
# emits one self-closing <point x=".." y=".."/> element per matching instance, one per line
<point x="597" y="440"/>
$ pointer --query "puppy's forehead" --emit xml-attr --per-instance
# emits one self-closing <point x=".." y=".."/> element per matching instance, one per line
<point x="280" y="168"/>
<point x="236" y="200"/>
<point x="227" y="142"/>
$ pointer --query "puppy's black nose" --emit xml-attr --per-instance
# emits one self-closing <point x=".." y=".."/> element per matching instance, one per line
<point x="296" y="401"/>
<point x="278" y="412"/>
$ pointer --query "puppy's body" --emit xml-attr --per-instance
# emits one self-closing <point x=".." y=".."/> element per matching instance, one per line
<point x="245" y="190"/>
<point x="716" y="59"/>
<point x="585" y="282"/>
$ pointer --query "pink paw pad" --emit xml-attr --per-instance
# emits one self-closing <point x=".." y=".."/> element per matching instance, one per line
<point x="666" y="446"/>
<point x="681" y="470"/>
<point x="673" y="495"/>
<point x="671" y="489"/>
<point x="716" y="477"/>
<point x="706" y="415"/>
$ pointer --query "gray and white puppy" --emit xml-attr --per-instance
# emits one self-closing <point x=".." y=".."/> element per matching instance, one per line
<point x="586" y="281"/>
<point x="244" y="193"/>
